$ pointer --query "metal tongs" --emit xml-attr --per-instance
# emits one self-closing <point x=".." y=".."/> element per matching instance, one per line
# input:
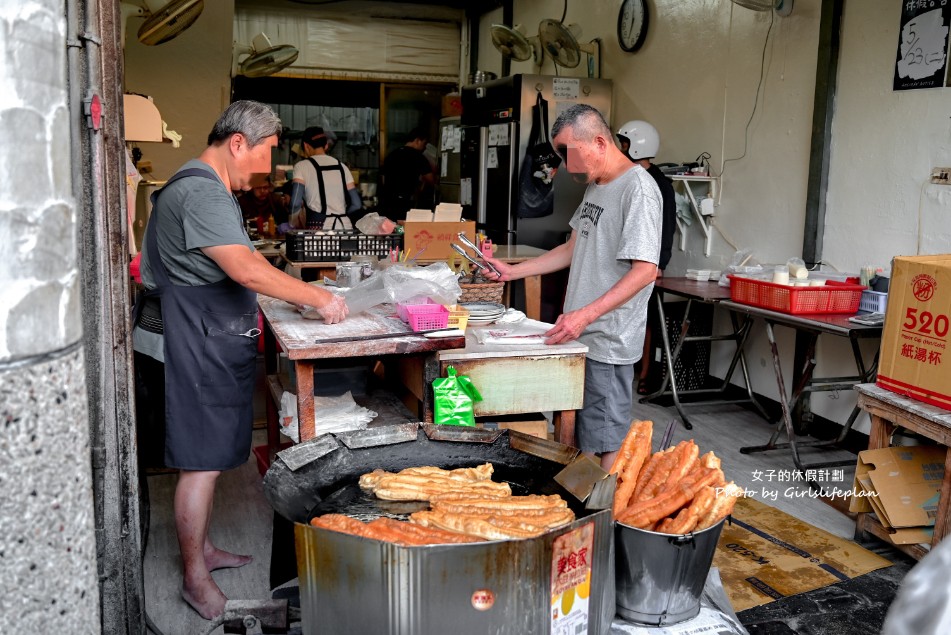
<point x="462" y="252"/>
<point x="471" y="245"/>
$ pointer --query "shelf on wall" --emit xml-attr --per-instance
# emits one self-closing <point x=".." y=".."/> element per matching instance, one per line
<point x="706" y="227"/>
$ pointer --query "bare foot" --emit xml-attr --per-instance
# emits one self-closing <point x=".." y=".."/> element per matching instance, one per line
<point x="217" y="559"/>
<point x="205" y="597"/>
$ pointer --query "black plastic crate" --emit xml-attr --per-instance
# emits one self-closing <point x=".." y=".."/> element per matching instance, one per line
<point x="312" y="245"/>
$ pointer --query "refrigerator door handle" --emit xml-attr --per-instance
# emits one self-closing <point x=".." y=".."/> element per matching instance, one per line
<point x="513" y="176"/>
<point x="483" y="174"/>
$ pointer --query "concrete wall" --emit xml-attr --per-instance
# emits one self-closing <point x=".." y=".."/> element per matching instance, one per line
<point x="48" y="581"/>
<point x="189" y="80"/>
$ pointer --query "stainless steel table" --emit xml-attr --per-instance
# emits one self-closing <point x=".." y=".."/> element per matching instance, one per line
<point x="812" y="326"/>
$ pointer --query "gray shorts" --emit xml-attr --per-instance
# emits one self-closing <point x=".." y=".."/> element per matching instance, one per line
<point x="606" y="415"/>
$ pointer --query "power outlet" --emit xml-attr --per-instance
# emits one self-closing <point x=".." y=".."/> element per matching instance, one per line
<point x="941" y="176"/>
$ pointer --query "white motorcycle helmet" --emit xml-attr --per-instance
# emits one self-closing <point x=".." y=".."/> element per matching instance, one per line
<point x="643" y="138"/>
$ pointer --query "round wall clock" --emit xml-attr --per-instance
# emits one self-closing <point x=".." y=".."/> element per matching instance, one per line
<point x="632" y="24"/>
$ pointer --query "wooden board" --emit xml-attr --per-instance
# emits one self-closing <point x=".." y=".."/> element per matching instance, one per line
<point x="301" y="337"/>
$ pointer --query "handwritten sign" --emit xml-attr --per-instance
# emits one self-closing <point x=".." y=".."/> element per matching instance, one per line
<point x="565" y="87"/>
<point x="922" y="57"/>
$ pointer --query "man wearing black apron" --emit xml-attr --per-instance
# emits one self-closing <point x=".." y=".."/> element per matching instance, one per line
<point x="196" y="327"/>
<point x="323" y="185"/>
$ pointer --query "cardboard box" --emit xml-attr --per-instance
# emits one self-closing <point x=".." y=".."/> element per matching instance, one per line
<point x="902" y="486"/>
<point x="914" y="359"/>
<point x="435" y="238"/>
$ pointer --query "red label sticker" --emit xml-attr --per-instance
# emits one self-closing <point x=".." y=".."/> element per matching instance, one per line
<point x="483" y="599"/>
<point x="923" y="286"/>
<point x="571" y="558"/>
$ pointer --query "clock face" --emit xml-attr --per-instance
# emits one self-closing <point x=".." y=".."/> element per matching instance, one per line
<point x="632" y="24"/>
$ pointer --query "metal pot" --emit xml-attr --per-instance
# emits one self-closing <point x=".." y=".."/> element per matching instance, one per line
<point x="480" y="77"/>
<point x="351" y="584"/>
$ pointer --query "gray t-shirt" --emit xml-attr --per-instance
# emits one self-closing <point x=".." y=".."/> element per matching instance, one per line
<point x="616" y="223"/>
<point x="193" y="213"/>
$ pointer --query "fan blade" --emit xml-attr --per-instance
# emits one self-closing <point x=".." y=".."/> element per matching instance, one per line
<point x="269" y="61"/>
<point x="169" y="21"/>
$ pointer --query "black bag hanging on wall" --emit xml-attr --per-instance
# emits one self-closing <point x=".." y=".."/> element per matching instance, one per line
<point x="536" y="197"/>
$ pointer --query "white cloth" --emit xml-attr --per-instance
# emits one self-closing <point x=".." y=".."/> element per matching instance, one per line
<point x="331" y="414"/>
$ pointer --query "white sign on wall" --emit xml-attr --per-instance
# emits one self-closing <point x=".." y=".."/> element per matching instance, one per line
<point x="922" y="57"/>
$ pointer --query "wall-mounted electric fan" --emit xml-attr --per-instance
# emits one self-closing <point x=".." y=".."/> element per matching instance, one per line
<point x="263" y="58"/>
<point x="512" y="42"/>
<point x="560" y="42"/>
<point x="162" y="25"/>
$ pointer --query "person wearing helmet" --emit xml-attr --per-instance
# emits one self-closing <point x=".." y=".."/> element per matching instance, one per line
<point x="640" y="141"/>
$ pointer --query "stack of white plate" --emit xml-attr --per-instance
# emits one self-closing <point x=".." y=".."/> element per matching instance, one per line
<point x="481" y="313"/>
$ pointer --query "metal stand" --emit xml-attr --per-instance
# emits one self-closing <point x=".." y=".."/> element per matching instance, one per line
<point x="739" y="336"/>
<point x="807" y="383"/>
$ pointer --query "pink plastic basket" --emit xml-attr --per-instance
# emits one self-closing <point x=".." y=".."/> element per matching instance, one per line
<point x="418" y="300"/>
<point x="423" y="317"/>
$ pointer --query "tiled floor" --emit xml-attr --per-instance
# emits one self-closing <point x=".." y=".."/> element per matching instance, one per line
<point x="243" y="523"/>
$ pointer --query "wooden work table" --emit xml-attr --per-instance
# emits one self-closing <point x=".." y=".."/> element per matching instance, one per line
<point x="509" y="254"/>
<point x="371" y="334"/>
<point x="513" y="379"/>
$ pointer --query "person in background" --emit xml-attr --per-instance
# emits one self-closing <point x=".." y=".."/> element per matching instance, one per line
<point x="262" y="203"/>
<point x="406" y="171"/>
<point x="196" y="328"/>
<point x="640" y="142"/>
<point x="324" y="185"/>
<point x="612" y="253"/>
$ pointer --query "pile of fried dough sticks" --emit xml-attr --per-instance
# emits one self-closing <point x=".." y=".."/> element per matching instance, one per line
<point x="673" y="491"/>
<point x="465" y="505"/>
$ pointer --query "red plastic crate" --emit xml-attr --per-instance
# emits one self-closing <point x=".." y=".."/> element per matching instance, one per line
<point x="833" y="297"/>
<point x="423" y="317"/>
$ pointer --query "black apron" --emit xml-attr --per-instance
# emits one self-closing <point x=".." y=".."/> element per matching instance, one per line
<point x="316" y="219"/>
<point x="210" y="335"/>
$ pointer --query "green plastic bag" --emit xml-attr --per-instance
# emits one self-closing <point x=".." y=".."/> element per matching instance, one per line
<point x="454" y="396"/>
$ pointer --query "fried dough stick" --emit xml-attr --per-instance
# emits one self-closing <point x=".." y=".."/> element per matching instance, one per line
<point x="687" y="519"/>
<point x="476" y="526"/>
<point x="643" y="514"/>
<point x="686" y="457"/>
<point x="630" y="460"/>
<point x="654" y="482"/>
<point x="722" y="506"/>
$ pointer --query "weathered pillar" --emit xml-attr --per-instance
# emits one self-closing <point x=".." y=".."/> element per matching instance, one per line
<point x="48" y="569"/>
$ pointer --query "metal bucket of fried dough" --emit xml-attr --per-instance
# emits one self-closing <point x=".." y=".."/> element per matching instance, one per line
<point x="669" y="508"/>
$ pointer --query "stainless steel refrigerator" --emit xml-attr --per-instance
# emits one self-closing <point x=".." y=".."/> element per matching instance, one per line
<point x="496" y="123"/>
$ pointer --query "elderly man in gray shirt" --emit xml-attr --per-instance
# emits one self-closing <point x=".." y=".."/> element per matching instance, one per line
<point x="613" y="252"/>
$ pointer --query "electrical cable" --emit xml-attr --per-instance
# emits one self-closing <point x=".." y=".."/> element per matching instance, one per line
<point x="762" y="73"/>
<point x="564" y="13"/>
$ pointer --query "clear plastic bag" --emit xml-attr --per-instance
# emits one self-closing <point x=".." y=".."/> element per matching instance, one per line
<point x="375" y="224"/>
<point x="742" y="263"/>
<point x="402" y="282"/>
